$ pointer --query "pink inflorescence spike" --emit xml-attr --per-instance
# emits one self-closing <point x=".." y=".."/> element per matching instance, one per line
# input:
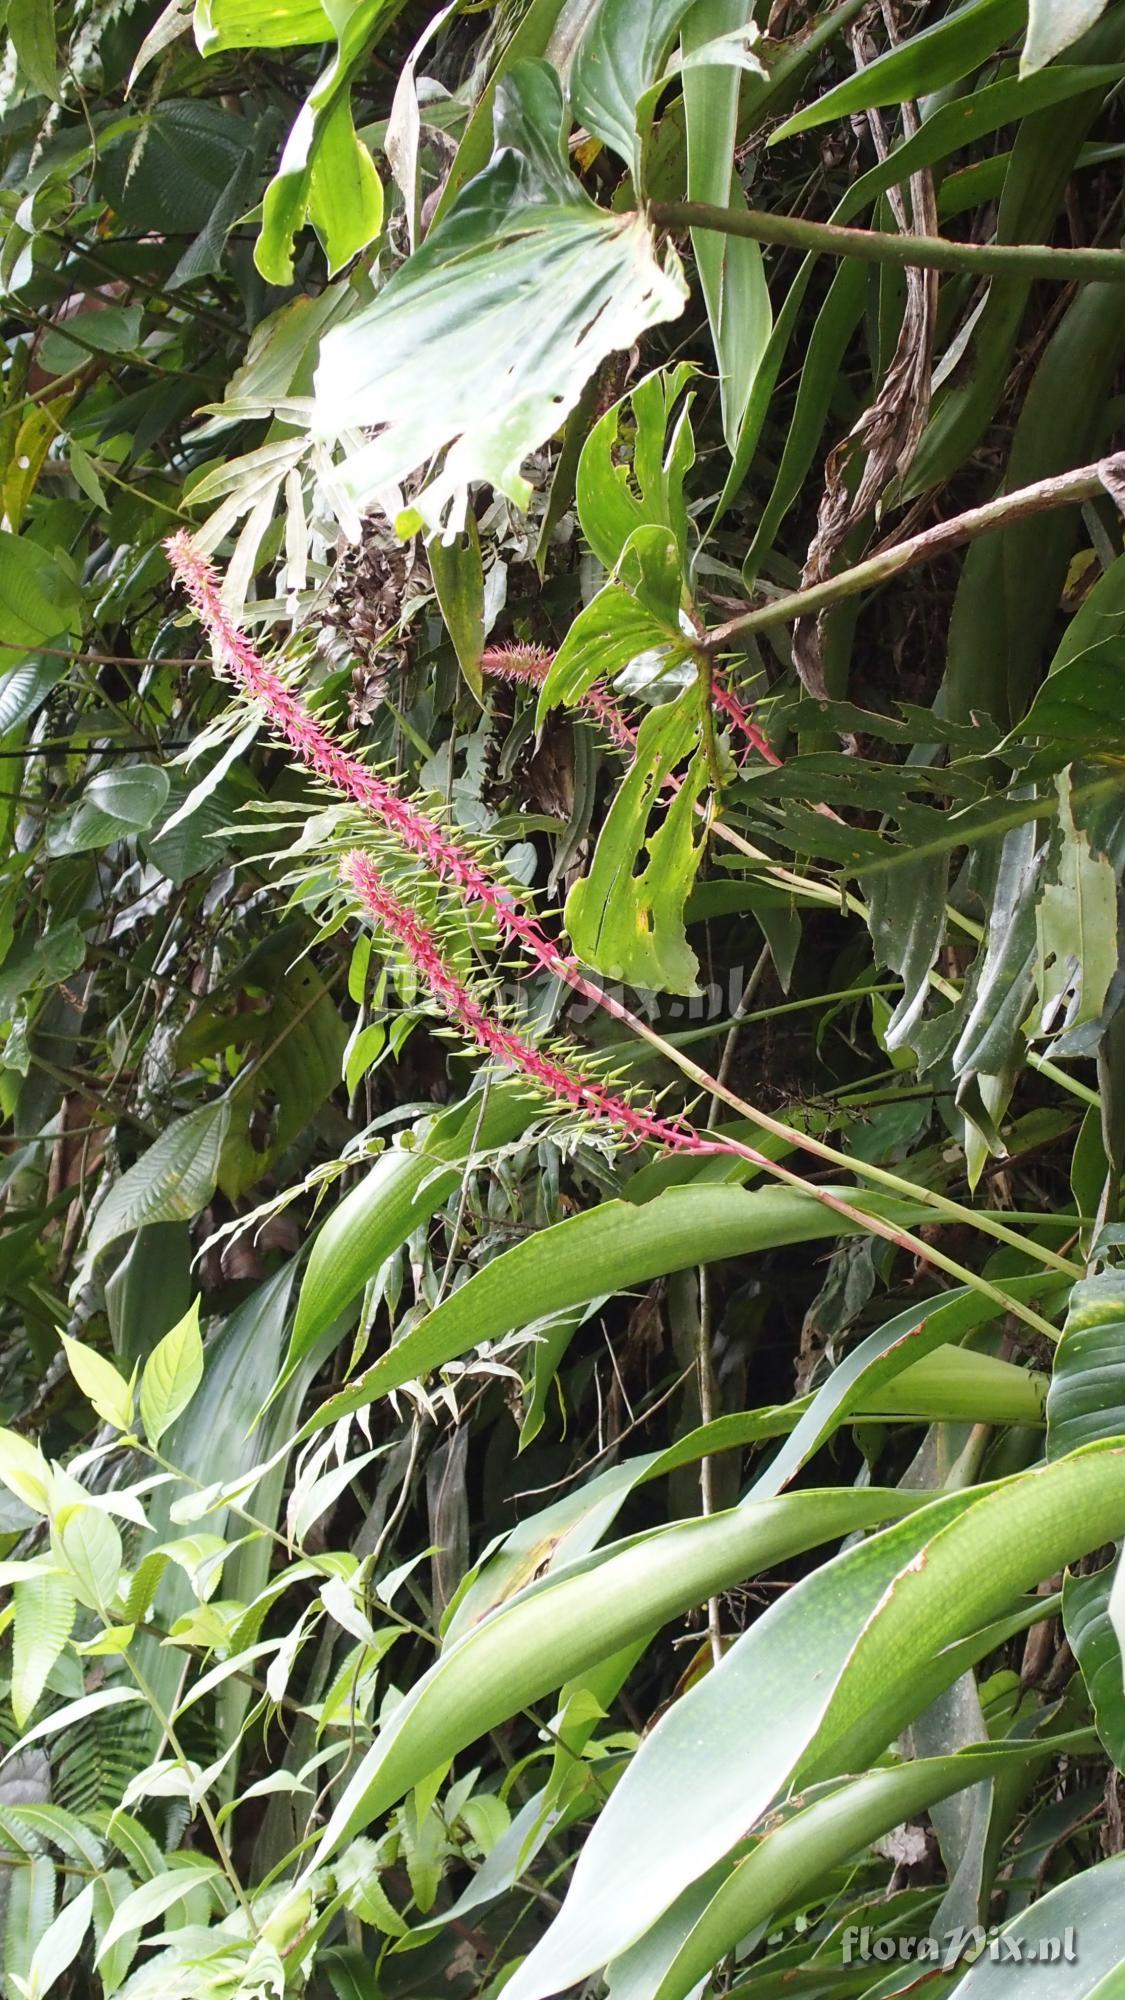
<point x="423" y="836"/>
<point x="559" y="1081"/>
<point x="415" y="830"/>
<point x="527" y="665"/>
<point x="732" y="708"/>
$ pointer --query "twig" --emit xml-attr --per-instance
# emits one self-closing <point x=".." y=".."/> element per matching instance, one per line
<point x="873" y="246"/>
<point x="1064" y="490"/>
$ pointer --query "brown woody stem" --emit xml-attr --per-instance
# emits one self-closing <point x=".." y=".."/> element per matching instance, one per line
<point x="1066" y="489"/>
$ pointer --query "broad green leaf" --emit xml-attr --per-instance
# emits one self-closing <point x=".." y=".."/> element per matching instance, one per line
<point x="1075" y="926"/>
<point x="939" y="55"/>
<point x="1093" y="1641"/>
<point x="31" y="25"/>
<point x="545" y="28"/>
<point x="626" y="917"/>
<point x="24" y="689"/>
<point x="45" y="1609"/>
<point x="1080" y="1915"/>
<point x="111" y="330"/>
<point x="730" y="267"/>
<point x="1100" y="618"/>
<point x="570" y="1620"/>
<point x="614" y="499"/>
<point x="106" y="1390"/>
<point x="608" y="1249"/>
<point x="456" y="352"/>
<point x="172" y="1375"/>
<point x="1086" y="1403"/>
<point x="636" y="616"/>
<point x="818" y="1686"/>
<point x="396" y="1195"/>
<point x="35" y="962"/>
<point x="37" y="597"/>
<point x="170" y="1182"/>
<point x="197" y="161"/>
<point x="85" y="475"/>
<point x="326" y="175"/>
<point x="1077" y="711"/>
<point x="1052" y="26"/>
<point x="115" y="806"/>
<point x="259" y="24"/>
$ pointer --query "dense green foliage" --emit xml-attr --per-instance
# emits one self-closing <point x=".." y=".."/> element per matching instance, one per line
<point x="562" y="1057"/>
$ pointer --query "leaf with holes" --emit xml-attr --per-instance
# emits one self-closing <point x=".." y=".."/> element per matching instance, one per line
<point x="626" y="917"/>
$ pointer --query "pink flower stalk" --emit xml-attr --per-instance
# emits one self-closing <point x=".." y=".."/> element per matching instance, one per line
<point x="568" y="1086"/>
<point x="527" y="666"/>
<point x="732" y="708"/>
<point x="422" y="835"/>
<point x="417" y="832"/>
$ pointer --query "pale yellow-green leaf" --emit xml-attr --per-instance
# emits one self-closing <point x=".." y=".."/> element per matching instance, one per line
<point x="111" y="1640"/>
<point x="172" y="1375"/>
<point x="107" y="1391"/>
<point x="24" y="1470"/>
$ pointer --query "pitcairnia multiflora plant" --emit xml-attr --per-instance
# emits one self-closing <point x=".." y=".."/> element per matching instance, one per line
<point x="562" y="1314"/>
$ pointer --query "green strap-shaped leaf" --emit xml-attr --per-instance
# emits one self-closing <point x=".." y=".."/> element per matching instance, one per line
<point x="731" y="269"/>
<point x="818" y="1686"/>
<point x="605" y="1250"/>
<point x="939" y="55"/>
<point x="1076" y="1930"/>
<point x="1086" y="1403"/>
<point x="401" y="1190"/>
<point x="570" y="1620"/>
<point x="799" y="1852"/>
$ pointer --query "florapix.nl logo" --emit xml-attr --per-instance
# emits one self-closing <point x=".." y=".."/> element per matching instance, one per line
<point x="959" y="1946"/>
